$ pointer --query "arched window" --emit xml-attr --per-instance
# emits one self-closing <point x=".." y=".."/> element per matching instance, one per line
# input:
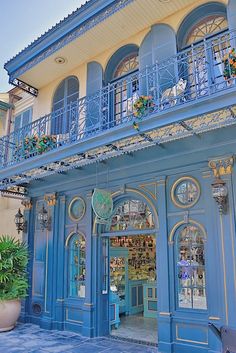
<point x="121" y="73"/>
<point x="206" y="27"/>
<point x="128" y="65"/>
<point x="190" y="267"/>
<point x="202" y="64"/>
<point x="202" y="22"/>
<point x="64" y="99"/>
<point x="76" y="265"/>
<point x="132" y="214"/>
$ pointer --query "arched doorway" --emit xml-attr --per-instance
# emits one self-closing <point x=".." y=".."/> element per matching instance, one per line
<point x="129" y="270"/>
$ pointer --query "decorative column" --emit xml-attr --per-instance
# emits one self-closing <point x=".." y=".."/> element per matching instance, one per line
<point x="89" y="304"/>
<point x="223" y="208"/>
<point x="163" y="288"/>
<point x="50" y="264"/>
<point x="59" y="263"/>
<point x="26" y="237"/>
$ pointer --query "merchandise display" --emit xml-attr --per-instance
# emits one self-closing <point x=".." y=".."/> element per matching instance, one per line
<point x="132" y="264"/>
<point x="141" y="257"/>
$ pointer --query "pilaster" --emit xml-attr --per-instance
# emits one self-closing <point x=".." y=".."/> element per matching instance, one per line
<point x="163" y="273"/>
<point x="223" y="168"/>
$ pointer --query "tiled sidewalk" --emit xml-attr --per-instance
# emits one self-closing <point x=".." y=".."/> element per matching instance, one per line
<point x="27" y="338"/>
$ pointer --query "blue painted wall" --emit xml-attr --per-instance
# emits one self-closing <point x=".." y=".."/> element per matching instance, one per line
<point x="178" y="330"/>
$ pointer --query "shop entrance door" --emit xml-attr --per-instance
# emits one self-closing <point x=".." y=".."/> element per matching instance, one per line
<point x="128" y="276"/>
<point x="133" y="287"/>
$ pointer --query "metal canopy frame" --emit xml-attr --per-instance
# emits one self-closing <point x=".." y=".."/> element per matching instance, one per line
<point x="156" y="137"/>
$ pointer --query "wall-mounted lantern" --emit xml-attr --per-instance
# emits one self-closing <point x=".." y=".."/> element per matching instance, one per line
<point x="44" y="219"/>
<point x="21" y="224"/>
<point x="220" y="194"/>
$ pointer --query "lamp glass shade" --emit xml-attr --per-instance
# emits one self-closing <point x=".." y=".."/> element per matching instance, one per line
<point x="19" y="221"/>
<point x="219" y="190"/>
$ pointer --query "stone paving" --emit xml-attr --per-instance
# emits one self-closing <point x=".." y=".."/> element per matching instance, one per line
<point x="28" y="338"/>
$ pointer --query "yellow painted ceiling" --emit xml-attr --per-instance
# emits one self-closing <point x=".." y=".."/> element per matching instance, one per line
<point x="137" y="16"/>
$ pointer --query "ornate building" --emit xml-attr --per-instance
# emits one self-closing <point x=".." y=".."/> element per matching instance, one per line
<point x="126" y="160"/>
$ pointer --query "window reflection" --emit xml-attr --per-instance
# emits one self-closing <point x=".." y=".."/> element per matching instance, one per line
<point x="187" y="192"/>
<point x="132" y="214"/>
<point x="77" y="266"/>
<point x="191" y="268"/>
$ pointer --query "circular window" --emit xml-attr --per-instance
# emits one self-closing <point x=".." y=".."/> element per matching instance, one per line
<point x="76" y="209"/>
<point x="185" y="192"/>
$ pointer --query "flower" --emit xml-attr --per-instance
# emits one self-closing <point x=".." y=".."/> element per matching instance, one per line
<point x="229" y="62"/>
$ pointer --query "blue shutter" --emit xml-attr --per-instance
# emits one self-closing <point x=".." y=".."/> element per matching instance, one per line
<point x="231" y="15"/>
<point x="66" y="93"/>
<point x="94" y="84"/>
<point x="17" y="124"/>
<point x="26" y="117"/>
<point x="158" y="45"/>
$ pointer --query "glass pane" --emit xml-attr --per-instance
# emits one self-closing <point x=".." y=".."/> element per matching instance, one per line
<point x="187" y="192"/>
<point x="128" y="64"/>
<point x="105" y="244"/>
<point x="191" y="268"/>
<point x="73" y="86"/>
<point x="185" y="298"/>
<point x="77" y="266"/>
<point x="132" y="214"/>
<point x="199" y="298"/>
<point x="207" y="26"/>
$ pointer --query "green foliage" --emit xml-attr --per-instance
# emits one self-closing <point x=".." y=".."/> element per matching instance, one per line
<point x="13" y="263"/>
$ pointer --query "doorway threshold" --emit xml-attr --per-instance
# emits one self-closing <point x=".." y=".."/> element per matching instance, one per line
<point x="133" y="340"/>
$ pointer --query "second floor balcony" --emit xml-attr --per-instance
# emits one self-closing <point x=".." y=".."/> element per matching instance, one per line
<point x="198" y="80"/>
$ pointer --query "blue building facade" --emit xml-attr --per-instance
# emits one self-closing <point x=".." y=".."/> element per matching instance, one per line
<point x="145" y="158"/>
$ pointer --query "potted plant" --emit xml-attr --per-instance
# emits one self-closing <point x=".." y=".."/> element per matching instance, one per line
<point x="230" y="64"/>
<point x="143" y="105"/>
<point x="35" y="145"/>
<point x="13" y="280"/>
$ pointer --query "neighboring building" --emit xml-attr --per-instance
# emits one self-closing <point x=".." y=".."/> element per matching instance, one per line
<point x="8" y="206"/>
<point x="127" y="156"/>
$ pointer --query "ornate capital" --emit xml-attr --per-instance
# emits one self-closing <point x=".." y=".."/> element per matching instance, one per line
<point x="51" y="199"/>
<point x="221" y="166"/>
<point x="27" y="203"/>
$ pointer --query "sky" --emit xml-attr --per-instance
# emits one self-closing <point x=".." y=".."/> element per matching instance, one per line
<point x="22" y="21"/>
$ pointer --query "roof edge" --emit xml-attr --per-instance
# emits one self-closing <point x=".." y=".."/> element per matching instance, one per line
<point x="59" y="33"/>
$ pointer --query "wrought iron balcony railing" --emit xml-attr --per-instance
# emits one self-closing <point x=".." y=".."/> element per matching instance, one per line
<point x="201" y="70"/>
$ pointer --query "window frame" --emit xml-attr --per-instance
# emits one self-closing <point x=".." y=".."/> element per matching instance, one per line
<point x="72" y="237"/>
<point x="176" y="268"/>
<point x="20" y="114"/>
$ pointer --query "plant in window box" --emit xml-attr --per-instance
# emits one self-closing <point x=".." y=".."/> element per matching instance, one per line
<point x="142" y="106"/>
<point x="27" y="148"/>
<point x="230" y="64"/>
<point x="13" y="280"/>
<point x="46" y="143"/>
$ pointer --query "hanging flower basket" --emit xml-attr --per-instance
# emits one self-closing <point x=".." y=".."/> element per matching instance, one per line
<point x="230" y="64"/>
<point x="142" y="106"/>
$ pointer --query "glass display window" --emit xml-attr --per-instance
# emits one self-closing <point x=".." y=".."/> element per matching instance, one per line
<point x="132" y="214"/>
<point x="185" y="192"/>
<point x="77" y="269"/>
<point x="190" y="268"/>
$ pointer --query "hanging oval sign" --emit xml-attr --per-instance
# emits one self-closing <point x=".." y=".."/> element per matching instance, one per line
<point x="102" y="204"/>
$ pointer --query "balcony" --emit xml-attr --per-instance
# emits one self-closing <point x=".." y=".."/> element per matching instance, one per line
<point x="194" y="83"/>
